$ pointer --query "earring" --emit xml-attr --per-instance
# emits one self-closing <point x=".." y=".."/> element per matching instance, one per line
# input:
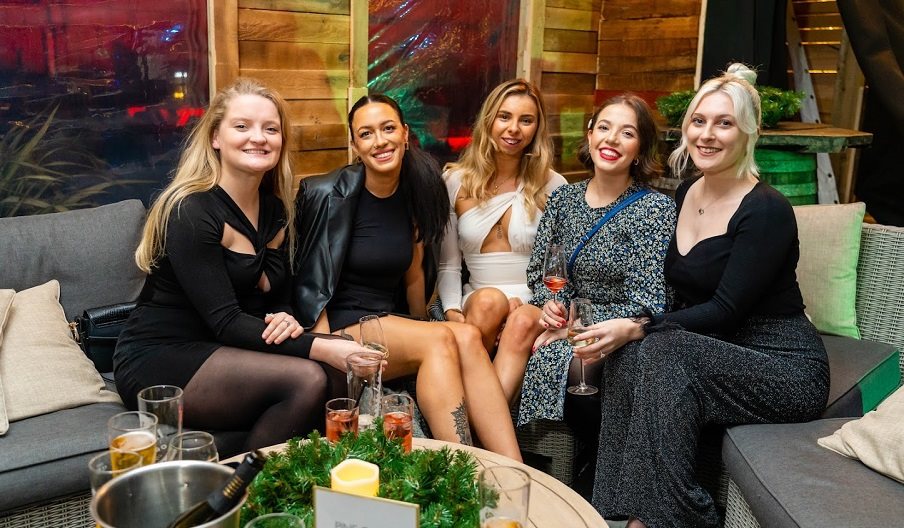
<point x="637" y="161"/>
<point x="407" y="147"/>
<point x="357" y="159"/>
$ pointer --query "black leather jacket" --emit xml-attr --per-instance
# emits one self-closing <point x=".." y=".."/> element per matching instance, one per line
<point x="325" y="208"/>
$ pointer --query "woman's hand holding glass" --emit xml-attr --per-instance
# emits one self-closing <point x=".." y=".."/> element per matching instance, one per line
<point x="609" y="336"/>
<point x="554" y="316"/>
<point x="335" y="351"/>
<point x="280" y="326"/>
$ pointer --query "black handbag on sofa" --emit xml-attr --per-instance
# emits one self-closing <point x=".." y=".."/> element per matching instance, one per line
<point x="97" y="330"/>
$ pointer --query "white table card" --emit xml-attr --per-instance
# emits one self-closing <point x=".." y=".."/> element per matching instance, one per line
<point x="335" y="509"/>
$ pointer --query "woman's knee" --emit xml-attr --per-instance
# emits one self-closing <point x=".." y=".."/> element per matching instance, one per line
<point x="443" y="342"/>
<point x="523" y="323"/>
<point x="300" y="376"/>
<point x="487" y="303"/>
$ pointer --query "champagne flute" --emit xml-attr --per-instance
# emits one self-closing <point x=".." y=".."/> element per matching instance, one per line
<point x="580" y="316"/>
<point x="554" y="269"/>
<point x="372" y="334"/>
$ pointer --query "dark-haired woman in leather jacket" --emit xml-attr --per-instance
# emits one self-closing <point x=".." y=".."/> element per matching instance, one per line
<point x="367" y="235"/>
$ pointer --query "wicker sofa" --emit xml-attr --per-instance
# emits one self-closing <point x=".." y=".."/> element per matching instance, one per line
<point x="861" y="370"/>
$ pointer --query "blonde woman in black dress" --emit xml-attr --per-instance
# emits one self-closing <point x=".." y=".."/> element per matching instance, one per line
<point x="738" y="349"/>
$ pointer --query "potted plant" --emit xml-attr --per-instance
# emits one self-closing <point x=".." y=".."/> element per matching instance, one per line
<point x="776" y="105"/>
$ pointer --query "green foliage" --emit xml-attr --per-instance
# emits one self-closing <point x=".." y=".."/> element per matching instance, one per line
<point x="442" y="482"/>
<point x="43" y="170"/>
<point x="776" y="105"/>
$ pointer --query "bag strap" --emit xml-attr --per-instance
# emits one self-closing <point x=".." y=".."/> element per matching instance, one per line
<point x="637" y="195"/>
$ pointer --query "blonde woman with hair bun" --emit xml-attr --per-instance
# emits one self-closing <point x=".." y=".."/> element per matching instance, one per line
<point x="497" y="192"/>
<point x="214" y="315"/>
<point x="737" y="347"/>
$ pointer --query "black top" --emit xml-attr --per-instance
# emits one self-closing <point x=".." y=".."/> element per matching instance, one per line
<point x="201" y="296"/>
<point x="748" y="271"/>
<point x="379" y="254"/>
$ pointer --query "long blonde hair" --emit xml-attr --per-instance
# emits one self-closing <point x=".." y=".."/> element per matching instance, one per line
<point x="738" y="84"/>
<point x="199" y="171"/>
<point x="478" y="163"/>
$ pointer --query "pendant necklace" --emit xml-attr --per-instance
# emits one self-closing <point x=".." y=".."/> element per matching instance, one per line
<point x="498" y="225"/>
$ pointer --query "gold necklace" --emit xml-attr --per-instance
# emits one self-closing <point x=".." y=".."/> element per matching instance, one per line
<point x="497" y="184"/>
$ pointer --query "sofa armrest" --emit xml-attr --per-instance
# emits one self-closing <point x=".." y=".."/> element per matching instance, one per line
<point x="880" y="285"/>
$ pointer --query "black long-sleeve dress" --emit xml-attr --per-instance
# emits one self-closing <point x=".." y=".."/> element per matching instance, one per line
<point x="740" y="350"/>
<point x="201" y="296"/>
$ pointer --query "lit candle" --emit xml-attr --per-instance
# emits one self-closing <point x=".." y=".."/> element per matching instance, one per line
<point x="357" y="477"/>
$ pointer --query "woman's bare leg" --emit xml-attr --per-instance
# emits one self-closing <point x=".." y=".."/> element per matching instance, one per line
<point x="521" y="329"/>
<point x="430" y="351"/>
<point x="486" y="404"/>
<point x="487" y="309"/>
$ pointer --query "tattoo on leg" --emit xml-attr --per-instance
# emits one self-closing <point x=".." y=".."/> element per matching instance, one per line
<point x="462" y="428"/>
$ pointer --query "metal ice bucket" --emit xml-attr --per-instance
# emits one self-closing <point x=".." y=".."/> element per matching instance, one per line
<point x="153" y="496"/>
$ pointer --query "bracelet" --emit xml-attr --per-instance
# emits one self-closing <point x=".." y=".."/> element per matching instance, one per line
<point x="454" y="310"/>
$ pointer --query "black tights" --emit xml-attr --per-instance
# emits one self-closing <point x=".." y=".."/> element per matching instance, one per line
<point x="275" y="397"/>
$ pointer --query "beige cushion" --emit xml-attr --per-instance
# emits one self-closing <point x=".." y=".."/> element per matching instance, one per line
<point x="6" y="301"/>
<point x="42" y="368"/>
<point x="877" y="439"/>
<point x="827" y="270"/>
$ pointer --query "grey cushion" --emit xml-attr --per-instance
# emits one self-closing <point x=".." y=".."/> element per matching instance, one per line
<point x="89" y="251"/>
<point x="47" y="456"/>
<point x="862" y="374"/>
<point x="789" y="480"/>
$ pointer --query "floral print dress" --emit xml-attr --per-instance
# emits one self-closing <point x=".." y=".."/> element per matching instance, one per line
<point x="620" y="270"/>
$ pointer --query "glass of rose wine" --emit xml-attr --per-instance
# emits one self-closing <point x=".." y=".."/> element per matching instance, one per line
<point x="554" y="269"/>
<point x="341" y="418"/>
<point x="398" y="410"/>
<point x="580" y="316"/>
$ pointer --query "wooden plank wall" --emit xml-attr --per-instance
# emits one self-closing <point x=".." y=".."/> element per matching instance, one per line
<point x="648" y="46"/>
<point x="301" y="48"/>
<point x="568" y="77"/>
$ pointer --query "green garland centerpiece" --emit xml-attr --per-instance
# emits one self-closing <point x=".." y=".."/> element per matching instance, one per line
<point x="776" y="105"/>
<point x="442" y="481"/>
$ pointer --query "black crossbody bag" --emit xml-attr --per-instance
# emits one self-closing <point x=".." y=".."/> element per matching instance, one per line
<point x="97" y="330"/>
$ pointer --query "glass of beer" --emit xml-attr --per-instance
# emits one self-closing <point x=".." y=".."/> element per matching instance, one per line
<point x="372" y="334"/>
<point x="341" y="418"/>
<point x="398" y="411"/>
<point x="165" y="402"/>
<point x="134" y="431"/>
<point x="101" y="470"/>
<point x="504" y="494"/>
<point x="365" y="384"/>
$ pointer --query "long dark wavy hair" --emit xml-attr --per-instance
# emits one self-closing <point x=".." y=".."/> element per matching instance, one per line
<point x="649" y="165"/>
<point x="420" y="181"/>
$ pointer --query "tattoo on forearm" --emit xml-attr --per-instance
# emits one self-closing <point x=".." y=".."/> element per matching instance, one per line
<point x="462" y="428"/>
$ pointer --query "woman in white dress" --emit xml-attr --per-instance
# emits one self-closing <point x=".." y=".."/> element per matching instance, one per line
<point x="497" y="191"/>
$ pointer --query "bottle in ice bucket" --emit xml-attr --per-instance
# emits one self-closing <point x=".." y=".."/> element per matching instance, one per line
<point x="224" y="499"/>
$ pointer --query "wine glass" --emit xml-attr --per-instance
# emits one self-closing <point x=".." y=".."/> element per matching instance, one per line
<point x="554" y="269"/>
<point x="372" y="334"/>
<point x="193" y="445"/>
<point x="580" y="316"/>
